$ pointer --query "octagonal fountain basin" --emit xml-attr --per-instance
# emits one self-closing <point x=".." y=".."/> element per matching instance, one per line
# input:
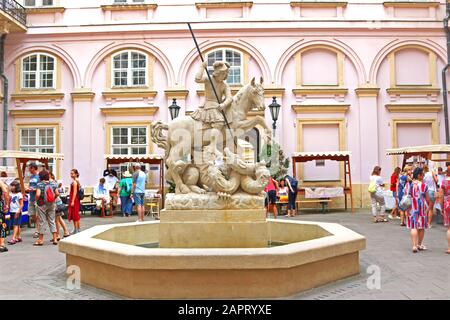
<point x="126" y="259"/>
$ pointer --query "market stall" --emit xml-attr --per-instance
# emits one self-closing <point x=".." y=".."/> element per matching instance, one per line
<point x="422" y="154"/>
<point x="323" y="194"/>
<point x="151" y="159"/>
<point x="20" y="159"/>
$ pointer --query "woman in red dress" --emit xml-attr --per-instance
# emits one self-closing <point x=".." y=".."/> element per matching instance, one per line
<point x="74" y="201"/>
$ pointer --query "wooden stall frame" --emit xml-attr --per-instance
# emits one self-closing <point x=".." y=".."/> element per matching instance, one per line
<point x="341" y="156"/>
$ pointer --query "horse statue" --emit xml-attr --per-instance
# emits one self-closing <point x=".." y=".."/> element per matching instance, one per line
<point x="184" y="143"/>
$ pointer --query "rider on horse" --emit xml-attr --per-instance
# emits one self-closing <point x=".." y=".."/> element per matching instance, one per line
<point x="210" y="114"/>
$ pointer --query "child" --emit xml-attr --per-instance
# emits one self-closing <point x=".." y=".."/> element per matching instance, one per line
<point x="15" y="209"/>
<point x="4" y="208"/>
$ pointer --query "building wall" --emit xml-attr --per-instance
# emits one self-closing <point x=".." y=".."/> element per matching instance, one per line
<point x="372" y="67"/>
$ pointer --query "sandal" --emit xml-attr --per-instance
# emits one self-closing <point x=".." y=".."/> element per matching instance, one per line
<point x="66" y="235"/>
<point x="36" y="235"/>
<point x="19" y="239"/>
<point x="422" y="248"/>
<point x="12" y="242"/>
<point x="55" y="243"/>
<point x="375" y="220"/>
<point x="403" y="225"/>
<point x="414" y="250"/>
<point x="447" y="252"/>
<point x="58" y="239"/>
<point x="38" y="244"/>
<point x="3" y="249"/>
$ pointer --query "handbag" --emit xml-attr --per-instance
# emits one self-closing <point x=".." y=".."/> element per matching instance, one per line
<point x="372" y="187"/>
<point x="405" y="202"/>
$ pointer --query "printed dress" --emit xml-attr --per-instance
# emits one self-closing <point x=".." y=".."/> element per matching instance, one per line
<point x="402" y="180"/>
<point x="2" y="217"/>
<point x="417" y="215"/>
<point x="446" y="189"/>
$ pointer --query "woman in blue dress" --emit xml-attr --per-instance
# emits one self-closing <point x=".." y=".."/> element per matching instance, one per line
<point x="403" y="179"/>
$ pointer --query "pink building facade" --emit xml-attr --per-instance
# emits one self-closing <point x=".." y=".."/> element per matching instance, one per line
<point x="87" y="78"/>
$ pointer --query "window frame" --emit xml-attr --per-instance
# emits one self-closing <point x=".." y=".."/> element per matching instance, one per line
<point x="129" y="145"/>
<point x="53" y="165"/>
<point x="39" y="4"/>
<point x="242" y="56"/>
<point x="130" y="70"/>
<point x="38" y="71"/>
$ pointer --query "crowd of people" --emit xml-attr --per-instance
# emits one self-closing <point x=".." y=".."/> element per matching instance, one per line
<point x="46" y="207"/>
<point x="283" y="192"/>
<point x="419" y="193"/>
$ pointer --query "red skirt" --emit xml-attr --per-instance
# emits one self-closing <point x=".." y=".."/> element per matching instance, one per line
<point x="74" y="212"/>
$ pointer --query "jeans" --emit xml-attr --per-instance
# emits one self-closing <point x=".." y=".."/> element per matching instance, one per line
<point x="126" y="205"/>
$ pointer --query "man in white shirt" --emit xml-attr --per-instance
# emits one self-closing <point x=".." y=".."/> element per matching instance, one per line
<point x="111" y="182"/>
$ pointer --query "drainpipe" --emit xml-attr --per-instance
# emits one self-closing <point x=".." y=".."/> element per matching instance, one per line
<point x="5" y="94"/>
<point x="444" y="74"/>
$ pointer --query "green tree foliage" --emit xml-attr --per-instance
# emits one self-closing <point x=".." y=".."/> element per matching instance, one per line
<point x="274" y="156"/>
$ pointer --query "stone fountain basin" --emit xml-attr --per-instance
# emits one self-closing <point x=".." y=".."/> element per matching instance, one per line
<point x="311" y="254"/>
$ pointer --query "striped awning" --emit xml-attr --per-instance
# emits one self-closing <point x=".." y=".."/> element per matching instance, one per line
<point x="435" y="148"/>
<point x="15" y="154"/>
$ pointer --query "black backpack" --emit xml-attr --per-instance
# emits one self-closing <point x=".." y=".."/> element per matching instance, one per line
<point x="80" y="193"/>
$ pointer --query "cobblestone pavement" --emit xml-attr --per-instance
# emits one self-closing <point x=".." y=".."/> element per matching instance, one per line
<point x="39" y="272"/>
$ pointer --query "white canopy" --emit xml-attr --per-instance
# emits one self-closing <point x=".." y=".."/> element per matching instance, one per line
<point x="134" y="156"/>
<point x="15" y="154"/>
<point x="436" y="148"/>
<point x="322" y="154"/>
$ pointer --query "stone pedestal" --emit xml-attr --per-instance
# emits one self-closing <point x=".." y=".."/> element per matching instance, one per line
<point x="226" y="228"/>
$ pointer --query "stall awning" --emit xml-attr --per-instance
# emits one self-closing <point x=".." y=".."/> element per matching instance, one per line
<point x="322" y="154"/>
<point x="14" y="154"/>
<point x="436" y="148"/>
<point x="127" y="157"/>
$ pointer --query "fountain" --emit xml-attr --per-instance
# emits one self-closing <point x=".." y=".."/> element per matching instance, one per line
<point x="213" y="239"/>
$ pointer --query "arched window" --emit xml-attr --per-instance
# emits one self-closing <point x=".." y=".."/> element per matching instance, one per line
<point x="38" y="71"/>
<point x="234" y="58"/>
<point x="129" y="69"/>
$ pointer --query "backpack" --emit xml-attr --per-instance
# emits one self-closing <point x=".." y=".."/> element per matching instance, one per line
<point x="80" y="192"/>
<point x="49" y="194"/>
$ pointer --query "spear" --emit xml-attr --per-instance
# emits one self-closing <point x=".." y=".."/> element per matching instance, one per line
<point x="212" y="85"/>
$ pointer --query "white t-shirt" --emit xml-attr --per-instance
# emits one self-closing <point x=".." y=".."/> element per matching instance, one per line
<point x="14" y="205"/>
<point x="441" y="178"/>
<point x="110" y="182"/>
<point x="429" y="181"/>
<point x="378" y="182"/>
<point x="283" y="191"/>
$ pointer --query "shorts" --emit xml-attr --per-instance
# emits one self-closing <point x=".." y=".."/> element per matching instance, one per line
<point x="16" y="219"/>
<point x="432" y="196"/>
<point x="59" y="212"/>
<point x="2" y="226"/>
<point x="292" y="196"/>
<point x="139" y="198"/>
<point x="271" y="197"/>
<point x="32" y="208"/>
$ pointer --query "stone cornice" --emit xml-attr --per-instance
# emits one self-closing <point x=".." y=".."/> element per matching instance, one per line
<point x="83" y="95"/>
<point x="410" y="4"/>
<point x="320" y="91"/>
<point x="414" y="108"/>
<point x="40" y="10"/>
<point x="318" y="4"/>
<point x="37" y="95"/>
<point x="129" y="93"/>
<point x="320" y="108"/>
<point x="176" y="93"/>
<point x="37" y="113"/>
<point x="129" y="111"/>
<point x="127" y="7"/>
<point x="367" y="92"/>
<point x="270" y="92"/>
<point x="413" y="90"/>
<point x="224" y="4"/>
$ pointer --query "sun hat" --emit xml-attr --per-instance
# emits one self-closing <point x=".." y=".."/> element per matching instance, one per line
<point x="126" y="174"/>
